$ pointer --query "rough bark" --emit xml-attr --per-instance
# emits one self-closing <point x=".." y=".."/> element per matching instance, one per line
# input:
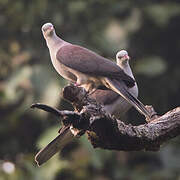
<point x="107" y="132"/>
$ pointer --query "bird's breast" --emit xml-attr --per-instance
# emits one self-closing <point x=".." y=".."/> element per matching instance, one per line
<point x="61" y="69"/>
<point x="134" y="90"/>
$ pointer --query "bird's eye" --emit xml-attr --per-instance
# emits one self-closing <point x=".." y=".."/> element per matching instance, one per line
<point x="44" y="29"/>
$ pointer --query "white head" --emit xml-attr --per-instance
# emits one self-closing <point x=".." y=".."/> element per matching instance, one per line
<point x="48" y="30"/>
<point x="122" y="57"/>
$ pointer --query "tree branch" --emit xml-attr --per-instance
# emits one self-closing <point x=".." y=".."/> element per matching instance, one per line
<point x="107" y="132"/>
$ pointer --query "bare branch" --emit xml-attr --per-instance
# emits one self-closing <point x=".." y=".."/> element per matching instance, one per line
<point x="107" y="132"/>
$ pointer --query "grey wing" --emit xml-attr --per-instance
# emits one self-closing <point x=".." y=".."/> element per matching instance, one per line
<point x="88" y="62"/>
<point x="121" y="89"/>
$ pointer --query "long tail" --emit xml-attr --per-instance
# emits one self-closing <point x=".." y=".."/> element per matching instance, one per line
<point x="54" y="146"/>
<point x="121" y="89"/>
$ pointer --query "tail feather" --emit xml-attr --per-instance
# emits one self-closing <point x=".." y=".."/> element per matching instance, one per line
<point x="121" y="89"/>
<point x="54" y="146"/>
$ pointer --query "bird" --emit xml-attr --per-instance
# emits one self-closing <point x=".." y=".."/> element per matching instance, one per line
<point x="87" y="69"/>
<point x="112" y="102"/>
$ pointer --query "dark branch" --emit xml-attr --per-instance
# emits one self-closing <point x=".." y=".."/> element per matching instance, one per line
<point x="68" y="117"/>
<point x="47" y="108"/>
<point x="107" y="132"/>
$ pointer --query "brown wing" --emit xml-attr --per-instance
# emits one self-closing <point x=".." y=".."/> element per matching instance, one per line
<point x="104" y="96"/>
<point x="88" y="62"/>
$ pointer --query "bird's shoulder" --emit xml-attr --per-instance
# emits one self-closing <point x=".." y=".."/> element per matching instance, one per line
<point x="83" y="59"/>
<point x="89" y="62"/>
<point x="78" y="52"/>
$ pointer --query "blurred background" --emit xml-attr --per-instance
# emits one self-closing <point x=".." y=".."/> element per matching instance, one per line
<point x="149" y="30"/>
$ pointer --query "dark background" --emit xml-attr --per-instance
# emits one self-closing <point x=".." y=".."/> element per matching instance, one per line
<point x="149" y="30"/>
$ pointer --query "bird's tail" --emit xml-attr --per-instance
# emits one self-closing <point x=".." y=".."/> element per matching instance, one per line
<point x="54" y="146"/>
<point x="120" y="88"/>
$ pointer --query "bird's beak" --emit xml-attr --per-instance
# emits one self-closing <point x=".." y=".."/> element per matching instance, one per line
<point x="50" y="28"/>
<point x="126" y="57"/>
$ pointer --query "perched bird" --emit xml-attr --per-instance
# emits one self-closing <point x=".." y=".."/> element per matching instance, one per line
<point x="113" y="103"/>
<point x="88" y="69"/>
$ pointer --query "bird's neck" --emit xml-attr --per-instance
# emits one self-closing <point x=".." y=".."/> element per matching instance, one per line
<point x="127" y="69"/>
<point x="53" y="40"/>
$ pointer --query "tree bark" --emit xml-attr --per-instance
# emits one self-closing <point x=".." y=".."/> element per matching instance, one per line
<point x="107" y="132"/>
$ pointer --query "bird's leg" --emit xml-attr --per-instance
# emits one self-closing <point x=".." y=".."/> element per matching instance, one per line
<point x="77" y="84"/>
<point x="89" y="85"/>
<point x="90" y="88"/>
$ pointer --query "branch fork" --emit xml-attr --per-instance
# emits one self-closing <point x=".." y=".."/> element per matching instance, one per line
<point x="107" y="132"/>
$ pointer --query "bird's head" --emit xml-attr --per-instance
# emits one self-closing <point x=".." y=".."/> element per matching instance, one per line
<point x="48" y="30"/>
<point x="122" y="57"/>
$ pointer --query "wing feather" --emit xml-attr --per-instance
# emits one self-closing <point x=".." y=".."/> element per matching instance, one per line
<point x="104" y="96"/>
<point x="88" y="62"/>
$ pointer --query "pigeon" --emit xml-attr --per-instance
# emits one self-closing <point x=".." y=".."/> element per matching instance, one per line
<point x="91" y="71"/>
<point x="113" y="104"/>
<point x="87" y="69"/>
